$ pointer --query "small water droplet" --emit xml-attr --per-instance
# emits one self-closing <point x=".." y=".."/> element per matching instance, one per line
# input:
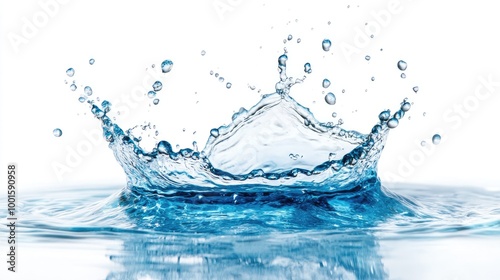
<point x="326" y="83"/>
<point x="228" y="85"/>
<point x="87" y="90"/>
<point x="373" y="79"/>
<point x="402" y="65"/>
<point x="298" y="40"/>
<point x="403" y="76"/>
<point x="384" y="115"/>
<point x="343" y="91"/>
<point x="334" y="114"/>
<point x="91" y="61"/>
<point x="221" y="79"/>
<point x="436" y="139"/>
<point x="216" y="75"/>
<point x="415" y="89"/>
<point x="166" y="66"/>
<point x="405" y="106"/>
<point x="330" y="98"/>
<point x="214" y="132"/>
<point x="70" y="72"/>
<point x="156" y="101"/>
<point x="340" y="122"/>
<point x="367" y="57"/>
<point x="282" y="60"/>
<point x="151" y="94"/>
<point x="392" y="123"/>
<point x="72" y="87"/>
<point x="157" y="86"/>
<point x="57" y="132"/>
<point x="423" y="143"/>
<point x="82" y="99"/>
<point x="203" y="52"/>
<point x="307" y="68"/>
<point x="326" y="44"/>
<point x="290" y="37"/>
<point x="424" y="114"/>
<point x="211" y="72"/>
<point x="371" y="36"/>
<point x="153" y="66"/>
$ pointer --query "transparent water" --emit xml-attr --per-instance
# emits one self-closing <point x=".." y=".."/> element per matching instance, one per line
<point x="275" y="194"/>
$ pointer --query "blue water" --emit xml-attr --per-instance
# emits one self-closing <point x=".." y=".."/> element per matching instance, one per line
<point x="275" y="194"/>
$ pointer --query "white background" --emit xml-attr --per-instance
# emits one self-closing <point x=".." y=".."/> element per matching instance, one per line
<point x="448" y="48"/>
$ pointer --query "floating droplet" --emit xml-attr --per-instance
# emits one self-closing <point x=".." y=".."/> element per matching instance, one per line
<point x="330" y="98"/>
<point x="91" y="61"/>
<point x="157" y="86"/>
<point x="72" y="87"/>
<point x="423" y="143"/>
<point x="82" y="99"/>
<point x="203" y="53"/>
<point x="156" y="101"/>
<point x="216" y="75"/>
<point x="402" y="65"/>
<point x="290" y="37"/>
<point x="373" y="79"/>
<point x="326" y="83"/>
<point x="298" y="40"/>
<point x="334" y="114"/>
<point x="106" y="106"/>
<point x="384" y="115"/>
<point x="343" y="91"/>
<point x="392" y="123"/>
<point x="415" y="89"/>
<point x="403" y="76"/>
<point x="151" y="94"/>
<point x="436" y="139"/>
<point x="87" y="90"/>
<point x="326" y="45"/>
<point x="307" y="68"/>
<point x="57" y="132"/>
<point x="70" y="72"/>
<point x="211" y="72"/>
<point x="367" y="57"/>
<point x="228" y="85"/>
<point x="221" y="79"/>
<point x="166" y="66"/>
<point x="405" y="106"/>
<point x="214" y="132"/>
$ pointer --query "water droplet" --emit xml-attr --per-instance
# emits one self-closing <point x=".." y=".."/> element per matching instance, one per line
<point x="402" y="65"/>
<point x="151" y="94"/>
<point x="392" y="123"/>
<point x="371" y="36"/>
<point x="157" y="86"/>
<point x="330" y="98"/>
<point x="282" y="60"/>
<point x="405" y="106"/>
<point x="367" y="57"/>
<point x="290" y="37"/>
<point x="403" y="76"/>
<point x="307" y="68"/>
<point x="373" y="79"/>
<point x="221" y="79"/>
<point x="70" y="72"/>
<point x="214" y="132"/>
<point x="423" y="143"/>
<point x="153" y="66"/>
<point x="87" y="90"/>
<point x="326" y="45"/>
<point x="211" y="72"/>
<point x="166" y="66"/>
<point x="415" y="89"/>
<point x="216" y="75"/>
<point x="423" y="114"/>
<point x="298" y="40"/>
<point x="228" y="85"/>
<point x="106" y="106"/>
<point x="436" y="139"/>
<point x="340" y="122"/>
<point x="334" y="114"/>
<point x="82" y="99"/>
<point x="203" y="52"/>
<point x="91" y="61"/>
<point x="326" y="83"/>
<point x="384" y="115"/>
<point x="156" y="101"/>
<point x="72" y="87"/>
<point x="57" y="132"/>
<point x="343" y="91"/>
